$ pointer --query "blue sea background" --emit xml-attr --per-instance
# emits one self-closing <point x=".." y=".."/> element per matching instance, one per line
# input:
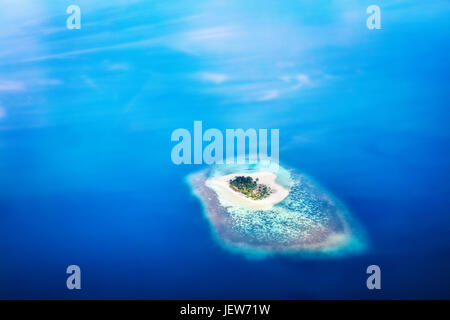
<point x="86" y="118"/>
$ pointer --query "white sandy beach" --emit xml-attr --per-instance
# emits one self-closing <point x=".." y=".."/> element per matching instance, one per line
<point x="229" y="197"/>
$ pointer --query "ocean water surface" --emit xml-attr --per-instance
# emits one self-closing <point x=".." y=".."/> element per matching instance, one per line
<point x="86" y="117"/>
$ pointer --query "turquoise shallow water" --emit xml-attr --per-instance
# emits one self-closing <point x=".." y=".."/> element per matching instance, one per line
<point x="309" y="222"/>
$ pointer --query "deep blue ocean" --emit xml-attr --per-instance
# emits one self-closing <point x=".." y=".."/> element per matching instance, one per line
<point x="86" y="117"/>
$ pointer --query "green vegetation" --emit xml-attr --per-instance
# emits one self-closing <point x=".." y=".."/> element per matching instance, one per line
<point x="250" y="188"/>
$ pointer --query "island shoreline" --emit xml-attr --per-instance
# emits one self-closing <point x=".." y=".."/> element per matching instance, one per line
<point x="230" y="197"/>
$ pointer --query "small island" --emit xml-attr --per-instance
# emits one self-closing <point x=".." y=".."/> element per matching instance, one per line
<point x="259" y="210"/>
<point x="250" y="188"/>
